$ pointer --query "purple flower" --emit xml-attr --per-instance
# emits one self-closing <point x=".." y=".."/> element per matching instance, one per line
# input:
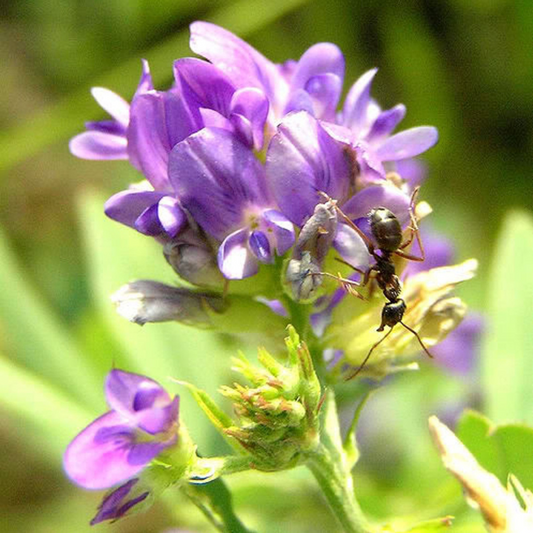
<point x="116" y="504"/>
<point x="143" y="421"/>
<point x="222" y="184"/>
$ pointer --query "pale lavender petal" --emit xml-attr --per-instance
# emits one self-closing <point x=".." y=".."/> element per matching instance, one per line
<point x="122" y="390"/>
<point x="299" y="100"/>
<point x="371" y="169"/>
<point x="321" y="58"/>
<point x="145" y="83"/>
<point x="99" y="145"/>
<point x="213" y="119"/>
<point x="351" y="247"/>
<point x="413" y="171"/>
<point x="385" y="123"/>
<point x="126" y="206"/>
<point x="459" y="351"/>
<point x="242" y="128"/>
<point x="215" y="176"/>
<point x="235" y="260"/>
<point x="357" y="102"/>
<point x="325" y="91"/>
<point x="97" y="458"/>
<point x="260" y="246"/>
<point x="244" y="65"/>
<point x="282" y="230"/>
<point x="253" y="105"/>
<point x="171" y="216"/>
<point x="159" y="418"/>
<point x="114" y="104"/>
<point x="205" y="83"/>
<point x="302" y="160"/>
<point x="378" y="196"/>
<point x="276" y="306"/>
<point x="408" y="143"/>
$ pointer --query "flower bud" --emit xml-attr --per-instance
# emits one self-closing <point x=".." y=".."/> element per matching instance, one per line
<point x="145" y="301"/>
<point x="278" y="412"/>
<point x="193" y="260"/>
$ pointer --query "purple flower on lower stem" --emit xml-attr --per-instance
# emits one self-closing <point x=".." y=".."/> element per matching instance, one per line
<point x="116" y="504"/>
<point x="143" y="422"/>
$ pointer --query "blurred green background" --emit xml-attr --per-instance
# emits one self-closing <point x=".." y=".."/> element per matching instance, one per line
<point x="465" y="66"/>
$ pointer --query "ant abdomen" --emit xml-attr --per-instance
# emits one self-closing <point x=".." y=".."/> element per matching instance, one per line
<point x="386" y="229"/>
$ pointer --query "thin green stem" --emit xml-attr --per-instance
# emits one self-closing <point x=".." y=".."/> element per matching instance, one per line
<point x="214" y="500"/>
<point x="337" y="485"/>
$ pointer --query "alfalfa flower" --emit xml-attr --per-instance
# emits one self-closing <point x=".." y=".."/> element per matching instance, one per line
<point x="142" y="422"/>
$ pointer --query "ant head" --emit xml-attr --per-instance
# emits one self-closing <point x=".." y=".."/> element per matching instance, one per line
<point x="392" y="313"/>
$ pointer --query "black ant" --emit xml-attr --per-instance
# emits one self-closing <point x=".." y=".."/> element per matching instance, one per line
<point x="387" y="232"/>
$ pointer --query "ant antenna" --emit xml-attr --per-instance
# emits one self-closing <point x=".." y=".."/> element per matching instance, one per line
<point x="418" y="338"/>
<point x="361" y="366"/>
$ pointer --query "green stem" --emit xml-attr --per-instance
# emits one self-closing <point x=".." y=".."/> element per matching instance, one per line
<point x="214" y="500"/>
<point x="337" y="485"/>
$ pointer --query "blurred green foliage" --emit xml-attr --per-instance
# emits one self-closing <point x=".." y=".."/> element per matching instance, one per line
<point x="464" y="66"/>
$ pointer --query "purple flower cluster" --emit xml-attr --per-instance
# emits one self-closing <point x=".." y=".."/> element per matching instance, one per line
<point x="237" y="149"/>
<point x="142" y="423"/>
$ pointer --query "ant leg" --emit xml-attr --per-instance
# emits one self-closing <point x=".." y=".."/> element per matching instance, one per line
<point x="415" y="232"/>
<point x="361" y="366"/>
<point x="418" y="338"/>
<point x="347" y="284"/>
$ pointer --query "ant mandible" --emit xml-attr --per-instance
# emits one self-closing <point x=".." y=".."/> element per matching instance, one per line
<point x="387" y="232"/>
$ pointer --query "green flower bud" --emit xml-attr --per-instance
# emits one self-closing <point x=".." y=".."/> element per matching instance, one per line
<point x="278" y="412"/>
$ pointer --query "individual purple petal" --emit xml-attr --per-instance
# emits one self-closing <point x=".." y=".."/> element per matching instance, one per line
<point x="205" y="83"/>
<point x="235" y="260"/>
<point x="300" y="100"/>
<point x="126" y="206"/>
<point x="213" y="119"/>
<point x="355" y="109"/>
<point x="243" y="65"/>
<point x="107" y="126"/>
<point x="159" y="418"/>
<point x="408" y="143"/>
<point x="97" y="458"/>
<point x="459" y="350"/>
<point x="385" y="123"/>
<point x="378" y="196"/>
<point x="276" y="306"/>
<point x="115" y="505"/>
<point x="302" y="160"/>
<point x="122" y="389"/>
<point x="114" y="104"/>
<point x="158" y="122"/>
<point x="439" y="251"/>
<point x="145" y="83"/>
<point x="215" y="177"/>
<point x="351" y="247"/>
<point x="98" y="145"/>
<point x="171" y="216"/>
<point x="325" y="91"/>
<point x="148" y="222"/>
<point x="413" y="171"/>
<point x="260" y="247"/>
<point x="281" y="228"/>
<point x="252" y="104"/>
<point x="321" y="58"/>
<point x="371" y="169"/>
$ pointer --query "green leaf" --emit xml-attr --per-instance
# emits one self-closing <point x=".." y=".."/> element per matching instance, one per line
<point x="36" y="338"/>
<point x="506" y="361"/>
<point x="502" y="450"/>
<point x="53" y="418"/>
<point x="117" y="255"/>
